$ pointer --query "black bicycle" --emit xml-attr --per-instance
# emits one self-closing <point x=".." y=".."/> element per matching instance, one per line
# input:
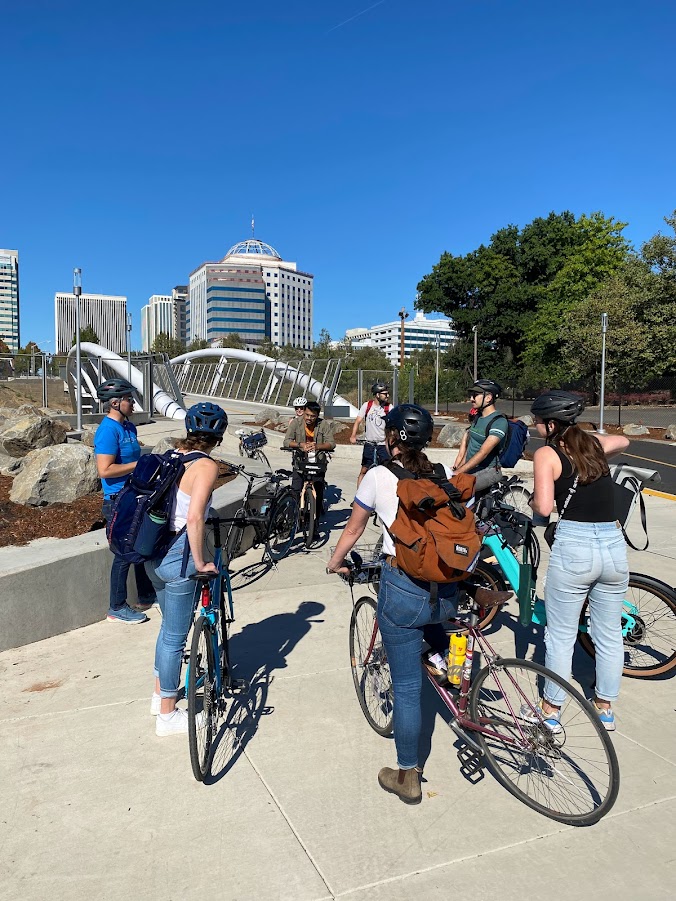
<point x="273" y="524"/>
<point x="312" y="472"/>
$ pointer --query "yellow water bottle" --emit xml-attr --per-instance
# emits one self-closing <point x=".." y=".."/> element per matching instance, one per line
<point x="456" y="658"/>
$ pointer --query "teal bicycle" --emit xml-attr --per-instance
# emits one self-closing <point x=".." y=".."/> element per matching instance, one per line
<point x="209" y="683"/>
<point x="649" y="610"/>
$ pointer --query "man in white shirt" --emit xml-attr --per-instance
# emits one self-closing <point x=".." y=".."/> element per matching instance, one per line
<point x="373" y="414"/>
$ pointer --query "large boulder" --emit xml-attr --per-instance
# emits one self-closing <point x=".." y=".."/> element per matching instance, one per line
<point x="670" y="433"/>
<point x="451" y="435"/>
<point x="527" y="419"/>
<point x="9" y="466"/>
<point x="52" y="475"/>
<point x="88" y="435"/>
<point x="163" y="445"/>
<point x="28" y="431"/>
<point x="268" y="415"/>
<point x="633" y="428"/>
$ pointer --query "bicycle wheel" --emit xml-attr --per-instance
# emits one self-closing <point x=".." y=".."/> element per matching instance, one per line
<point x="370" y="669"/>
<point x="485" y="576"/>
<point x="233" y="542"/>
<point x="282" y="529"/>
<point x="650" y="645"/>
<point x="202" y="700"/>
<point x="570" y="773"/>
<point x="260" y="456"/>
<point x="517" y="496"/>
<point x="309" y="515"/>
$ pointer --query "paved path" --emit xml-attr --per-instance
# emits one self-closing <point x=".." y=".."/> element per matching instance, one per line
<point x="95" y="806"/>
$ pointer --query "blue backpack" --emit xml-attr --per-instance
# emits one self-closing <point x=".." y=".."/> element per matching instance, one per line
<point x="139" y="526"/>
<point x="514" y="443"/>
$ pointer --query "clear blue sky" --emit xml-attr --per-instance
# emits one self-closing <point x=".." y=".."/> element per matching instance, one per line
<point x="138" y="138"/>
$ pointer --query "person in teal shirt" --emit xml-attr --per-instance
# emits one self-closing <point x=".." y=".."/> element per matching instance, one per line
<point x="481" y="444"/>
<point x="117" y="452"/>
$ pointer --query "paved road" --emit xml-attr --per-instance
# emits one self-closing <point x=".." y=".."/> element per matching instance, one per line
<point x="653" y="416"/>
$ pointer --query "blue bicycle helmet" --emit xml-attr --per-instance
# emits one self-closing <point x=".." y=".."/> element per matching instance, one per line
<point x="206" y="419"/>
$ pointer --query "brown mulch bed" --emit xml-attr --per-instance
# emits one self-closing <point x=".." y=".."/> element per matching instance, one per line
<point x="21" y="524"/>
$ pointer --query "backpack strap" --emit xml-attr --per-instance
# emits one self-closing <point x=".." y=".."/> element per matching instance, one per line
<point x="644" y="525"/>
<point x="368" y="408"/>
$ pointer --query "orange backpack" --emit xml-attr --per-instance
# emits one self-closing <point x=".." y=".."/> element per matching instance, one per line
<point x="434" y="534"/>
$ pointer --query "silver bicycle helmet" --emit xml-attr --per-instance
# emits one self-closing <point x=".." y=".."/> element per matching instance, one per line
<point x="300" y="401"/>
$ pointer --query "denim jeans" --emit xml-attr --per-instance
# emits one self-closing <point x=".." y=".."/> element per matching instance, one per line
<point x="405" y="617"/>
<point x="119" y="571"/>
<point x="177" y="597"/>
<point x="588" y="560"/>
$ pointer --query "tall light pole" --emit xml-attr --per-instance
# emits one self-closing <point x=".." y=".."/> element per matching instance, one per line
<point x="403" y="315"/>
<point x="604" y="329"/>
<point x="129" y="344"/>
<point x="77" y="291"/>
<point x="475" y="329"/>
<point x="436" y="380"/>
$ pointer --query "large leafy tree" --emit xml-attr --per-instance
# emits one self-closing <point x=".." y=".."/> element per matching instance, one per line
<point x="87" y="334"/>
<point x="233" y="340"/>
<point x="164" y="344"/>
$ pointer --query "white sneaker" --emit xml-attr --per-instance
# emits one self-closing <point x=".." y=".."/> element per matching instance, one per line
<point x="155" y="703"/>
<point x="175" y="723"/>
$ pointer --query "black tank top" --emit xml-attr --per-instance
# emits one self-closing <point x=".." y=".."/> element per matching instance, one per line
<point x="594" y="502"/>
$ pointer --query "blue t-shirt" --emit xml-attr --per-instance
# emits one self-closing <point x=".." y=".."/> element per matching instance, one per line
<point x="118" y="438"/>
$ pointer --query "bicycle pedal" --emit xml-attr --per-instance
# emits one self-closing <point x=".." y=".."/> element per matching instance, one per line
<point x="471" y="764"/>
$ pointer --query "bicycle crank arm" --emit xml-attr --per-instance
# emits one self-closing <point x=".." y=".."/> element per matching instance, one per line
<point x="460" y="732"/>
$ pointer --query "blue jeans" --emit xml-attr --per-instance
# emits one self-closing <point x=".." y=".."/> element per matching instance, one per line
<point x="177" y="597"/>
<point x="588" y="560"/>
<point x="119" y="571"/>
<point x="404" y="614"/>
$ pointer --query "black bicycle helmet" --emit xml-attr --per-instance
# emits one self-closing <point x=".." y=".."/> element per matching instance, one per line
<point x="488" y="386"/>
<point x="206" y="419"/>
<point x="377" y="387"/>
<point x="414" y="425"/>
<point x="113" y="388"/>
<point x="563" y="406"/>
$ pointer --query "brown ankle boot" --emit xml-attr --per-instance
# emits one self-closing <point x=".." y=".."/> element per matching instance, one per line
<point x="404" y="783"/>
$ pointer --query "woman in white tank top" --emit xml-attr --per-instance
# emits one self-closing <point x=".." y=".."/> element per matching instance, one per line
<point x="205" y="426"/>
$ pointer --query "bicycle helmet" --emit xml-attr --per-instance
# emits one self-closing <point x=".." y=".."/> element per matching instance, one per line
<point x="206" y="419"/>
<point x="113" y="388"/>
<point x="488" y="386"/>
<point x="377" y="387"/>
<point x="563" y="406"/>
<point x="300" y="401"/>
<point x="413" y="424"/>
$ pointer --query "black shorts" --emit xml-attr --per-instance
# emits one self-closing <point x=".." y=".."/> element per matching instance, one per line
<point x="374" y="453"/>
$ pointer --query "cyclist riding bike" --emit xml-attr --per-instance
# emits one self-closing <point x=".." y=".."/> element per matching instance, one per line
<point x="480" y="446"/>
<point x="311" y="437"/>
<point x="373" y="413"/>
<point x="299" y="405"/>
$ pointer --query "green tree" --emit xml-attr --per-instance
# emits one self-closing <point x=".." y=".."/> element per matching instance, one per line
<point x="4" y="349"/>
<point x="87" y="334"/>
<point x="163" y="344"/>
<point x="268" y="349"/>
<point x="322" y="349"/>
<point x="233" y="340"/>
<point x="198" y="344"/>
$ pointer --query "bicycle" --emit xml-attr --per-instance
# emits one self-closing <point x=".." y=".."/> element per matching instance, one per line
<point x="311" y="473"/>
<point x="250" y="444"/>
<point x="513" y="492"/>
<point x="209" y="682"/>
<point x="649" y="607"/>
<point x="568" y="772"/>
<point x="274" y="524"/>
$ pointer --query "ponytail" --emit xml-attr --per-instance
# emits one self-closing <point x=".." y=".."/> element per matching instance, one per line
<point x="411" y="458"/>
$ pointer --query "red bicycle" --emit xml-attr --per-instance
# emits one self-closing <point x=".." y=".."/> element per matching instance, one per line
<point x="565" y="770"/>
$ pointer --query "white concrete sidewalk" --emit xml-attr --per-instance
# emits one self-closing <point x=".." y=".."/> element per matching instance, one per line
<point x="95" y="806"/>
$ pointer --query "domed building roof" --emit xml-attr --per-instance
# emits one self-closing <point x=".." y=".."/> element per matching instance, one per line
<point x="252" y="247"/>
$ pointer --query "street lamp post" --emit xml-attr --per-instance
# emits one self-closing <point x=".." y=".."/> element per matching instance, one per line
<point x="436" y="380"/>
<point x="77" y="291"/>
<point x="403" y="315"/>
<point x="129" y="344"/>
<point x="602" y="399"/>
<point x="475" y="329"/>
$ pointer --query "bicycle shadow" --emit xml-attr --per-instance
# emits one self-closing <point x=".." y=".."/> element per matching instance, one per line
<point x="256" y="653"/>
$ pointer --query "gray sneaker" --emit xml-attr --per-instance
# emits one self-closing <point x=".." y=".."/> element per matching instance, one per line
<point x="126" y="615"/>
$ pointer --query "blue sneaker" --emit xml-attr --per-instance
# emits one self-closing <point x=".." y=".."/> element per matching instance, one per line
<point x="126" y="615"/>
<point x="607" y="717"/>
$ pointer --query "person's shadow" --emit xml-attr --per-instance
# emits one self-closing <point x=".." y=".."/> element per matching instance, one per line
<point x="255" y="653"/>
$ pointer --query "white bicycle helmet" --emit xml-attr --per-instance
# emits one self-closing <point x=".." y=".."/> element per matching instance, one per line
<point x="300" y="401"/>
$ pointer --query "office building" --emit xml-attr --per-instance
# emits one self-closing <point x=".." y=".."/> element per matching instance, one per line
<point x="253" y="292"/>
<point x="106" y="314"/>
<point x="418" y="332"/>
<point x="9" y="299"/>
<point x="156" y="317"/>
<point x="179" y="296"/>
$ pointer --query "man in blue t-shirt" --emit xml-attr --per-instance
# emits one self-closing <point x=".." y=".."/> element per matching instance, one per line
<point x="117" y="452"/>
<point x="481" y="444"/>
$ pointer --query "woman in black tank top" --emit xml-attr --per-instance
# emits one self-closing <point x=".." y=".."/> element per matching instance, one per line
<point x="589" y="557"/>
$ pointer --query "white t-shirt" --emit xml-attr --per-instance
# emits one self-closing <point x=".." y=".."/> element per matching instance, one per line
<point x="374" y="421"/>
<point x="378" y="491"/>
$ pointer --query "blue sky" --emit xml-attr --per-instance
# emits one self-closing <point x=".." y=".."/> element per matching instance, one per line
<point x="140" y="137"/>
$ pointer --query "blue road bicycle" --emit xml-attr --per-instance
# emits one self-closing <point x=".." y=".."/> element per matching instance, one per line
<point x="649" y="609"/>
<point x="209" y="683"/>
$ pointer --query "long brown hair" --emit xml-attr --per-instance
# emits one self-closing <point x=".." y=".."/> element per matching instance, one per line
<point x="197" y="443"/>
<point x="583" y="449"/>
<point x="413" y="460"/>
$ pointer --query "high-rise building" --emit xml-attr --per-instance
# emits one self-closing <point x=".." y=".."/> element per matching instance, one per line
<point x="179" y="295"/>
<point x="253" y="292"/>
<point x="156" y="317"/>
<point x="418" y="332"/>
<point x="106" y="314"/>
<point x="9" y="299"/>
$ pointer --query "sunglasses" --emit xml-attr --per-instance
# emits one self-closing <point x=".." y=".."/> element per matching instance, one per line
<point x="476" y="394"/>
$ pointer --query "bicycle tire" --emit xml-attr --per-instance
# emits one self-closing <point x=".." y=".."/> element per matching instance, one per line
<point x="201" y="697"/>
<point x="241" y="449"/>
<point x="260" y="456"/>
<point x="649" y="651"/>
<point x="517" y="496"/>
<point x="282" y="526"/>
<point x="309" y="516"/>
<point x="233" y="541"/>
<point x="540" y="768"/>
<point x="371" y="677"/>
<point x="486" y="576"/>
